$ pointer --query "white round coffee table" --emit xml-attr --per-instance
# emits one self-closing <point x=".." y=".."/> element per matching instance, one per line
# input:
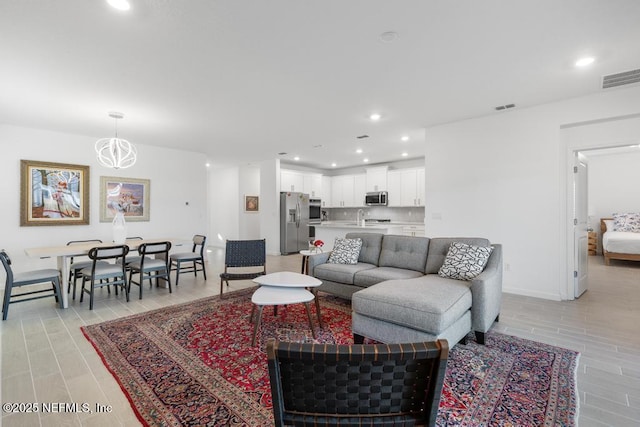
<point x="283" y="288"/>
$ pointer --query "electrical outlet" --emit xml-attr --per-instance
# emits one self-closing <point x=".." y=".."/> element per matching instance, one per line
<point x="507" y="267"/>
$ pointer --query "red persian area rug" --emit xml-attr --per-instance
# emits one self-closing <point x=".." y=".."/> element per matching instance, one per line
<point x="193" y="364"/>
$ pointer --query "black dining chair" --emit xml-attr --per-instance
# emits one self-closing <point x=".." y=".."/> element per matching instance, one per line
<point x="190" y="262"/>
<point x="77" y="264"/>
<point x="356" y="385"/>
<point x="132" y="258"/>
<point x="105" y="271"/>
<point x="34" y="277"/>
<point x="240" y="259"/>
<point x="153" y="264"/>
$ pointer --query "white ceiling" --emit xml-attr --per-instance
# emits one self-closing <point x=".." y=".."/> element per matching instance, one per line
<point x="244" y="80"/>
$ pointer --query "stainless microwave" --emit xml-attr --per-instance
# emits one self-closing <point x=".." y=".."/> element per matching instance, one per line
<point x="376" y="198"/>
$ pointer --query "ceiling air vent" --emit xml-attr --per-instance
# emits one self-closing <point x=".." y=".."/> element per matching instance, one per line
<point x="504" y="107"/>
<point x="620" y="79"/>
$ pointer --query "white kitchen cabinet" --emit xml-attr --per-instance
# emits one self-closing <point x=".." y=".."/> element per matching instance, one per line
<point x="359" y="190"/>
<point x="348" y="191"/>
<point x="309" y="183"/>
<point x="406" y="187"/>
<point x="420" y="187"/>
<point x="377" y="178"/>
<point x="326" y="191"/>
<point x="312" y="185"/>
<point x="394" y="187"/>
<point x="291" y="180"/>
<point x="341" y="190"/>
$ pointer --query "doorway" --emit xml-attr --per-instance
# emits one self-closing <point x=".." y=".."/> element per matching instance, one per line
<point x="584" y="137"/>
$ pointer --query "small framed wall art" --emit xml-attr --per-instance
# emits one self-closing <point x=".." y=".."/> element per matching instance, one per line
<point x="251" y="203"/>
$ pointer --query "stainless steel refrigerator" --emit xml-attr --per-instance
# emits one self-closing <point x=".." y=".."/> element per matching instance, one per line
<point x="294" y="222"/>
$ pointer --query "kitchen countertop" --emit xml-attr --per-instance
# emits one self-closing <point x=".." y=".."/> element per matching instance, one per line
<point x="380" y="225"/>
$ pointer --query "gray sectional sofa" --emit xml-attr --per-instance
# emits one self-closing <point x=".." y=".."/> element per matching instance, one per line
<point x="397" y="295"/>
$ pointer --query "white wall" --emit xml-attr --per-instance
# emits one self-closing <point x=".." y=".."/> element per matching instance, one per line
<point x="177" y="178"/>
<point x="614" y="185"/>
<point x="249" y="186"/>
<point x="504" y="177"/>
<point x="224" y="198"/>
<point x="270" y="204"/>
<point x="228" y="219"/>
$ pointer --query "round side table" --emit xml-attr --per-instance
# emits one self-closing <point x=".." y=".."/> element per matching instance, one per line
<point x="305" y="260"/>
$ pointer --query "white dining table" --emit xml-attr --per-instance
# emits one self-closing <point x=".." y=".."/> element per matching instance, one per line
<point x="64" y="253"/>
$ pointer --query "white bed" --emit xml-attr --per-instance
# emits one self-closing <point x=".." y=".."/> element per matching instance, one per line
<point x="624" y="245"/>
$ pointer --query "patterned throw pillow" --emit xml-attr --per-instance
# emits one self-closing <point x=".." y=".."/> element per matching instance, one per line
<point x="345" y="251"/>
<point x="626" y="222"/>
<point x="464" y="262"/>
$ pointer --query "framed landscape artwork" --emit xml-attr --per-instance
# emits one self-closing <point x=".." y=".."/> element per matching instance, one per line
<point x="53" y="193"/>
<point x="251" y="203"/>
<point x="127" y="195"/>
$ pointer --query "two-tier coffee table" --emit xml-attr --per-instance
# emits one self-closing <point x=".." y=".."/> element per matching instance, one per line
<point x="283" y="288"/>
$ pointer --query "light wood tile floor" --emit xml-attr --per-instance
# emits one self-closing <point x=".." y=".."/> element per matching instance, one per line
<point x="45" y="357"/>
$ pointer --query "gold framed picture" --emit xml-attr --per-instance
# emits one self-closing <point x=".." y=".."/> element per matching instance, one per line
<point x="127" y="195"/>
<point x="251" y="203"/>
<point x="53" y="193"/>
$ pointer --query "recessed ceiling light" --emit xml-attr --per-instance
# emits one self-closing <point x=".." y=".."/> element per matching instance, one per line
<point x="405" y="154"/>
<point x="333" y="165"/>
<point x="365" y="160"/>
<point x="583" y="62"/>
<point x="119" y="4"/>
<point x="207" y="164"/>
<point x="404" y="138"/>
<point x="359" y="151"/>
<point x="375" y="117"/>
<point x="296" y="158"/>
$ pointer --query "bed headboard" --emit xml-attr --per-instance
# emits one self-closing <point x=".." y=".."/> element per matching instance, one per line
<point x="603" y="225"/>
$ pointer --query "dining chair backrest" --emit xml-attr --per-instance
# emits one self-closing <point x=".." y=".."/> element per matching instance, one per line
<point x="108" y="252"/>
<point x="154" y="248"/>
<point x="199" y="240"/>
<point x="245" y="253"/>
<point x="81" y="242"/>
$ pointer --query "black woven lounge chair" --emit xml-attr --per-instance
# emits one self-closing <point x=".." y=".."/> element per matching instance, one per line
<point x="356" y="385"/>
<point x="241" y="256"/>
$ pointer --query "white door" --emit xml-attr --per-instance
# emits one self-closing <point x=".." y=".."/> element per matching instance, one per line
<point x="580" y="224"/>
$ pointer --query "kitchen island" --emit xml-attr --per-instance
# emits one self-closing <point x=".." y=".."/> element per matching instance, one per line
<point x="329" y="230"/>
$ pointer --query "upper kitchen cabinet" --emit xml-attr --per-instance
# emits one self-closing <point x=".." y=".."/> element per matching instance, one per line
<point x="377" y="178"/>
<point x="348" y="191"/>
<point x="312" y="185"/>
<point x="359" y="190"/>
<point x="303" y="182"/>
<point x="326" y="191"/>
<point x="291" y="181"/>
<point x="406" y="187"/>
